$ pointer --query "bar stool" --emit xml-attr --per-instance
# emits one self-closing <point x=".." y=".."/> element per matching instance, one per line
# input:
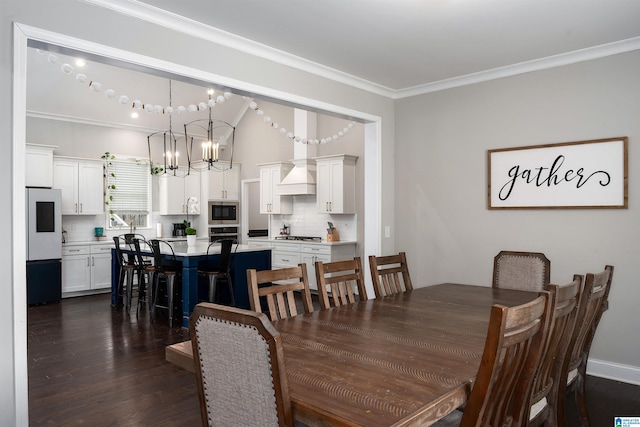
<point x="144" y="268"/>
<point x="222" y="272"/>
<point x="166" y="272"/>
<point x="125" y="278"/>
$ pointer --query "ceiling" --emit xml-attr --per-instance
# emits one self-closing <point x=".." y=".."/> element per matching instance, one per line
<point x="393" y="47"/>
<point x="400" y="44"/>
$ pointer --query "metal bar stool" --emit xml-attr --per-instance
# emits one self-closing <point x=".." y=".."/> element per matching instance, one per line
<point x="167" y="272"/>
<point x="223" y="271"/>
<point x="144" y="268"/>
<point x="125" y="278"/>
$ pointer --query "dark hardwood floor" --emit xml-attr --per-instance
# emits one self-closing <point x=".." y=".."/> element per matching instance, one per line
<point x="91" y="364"/>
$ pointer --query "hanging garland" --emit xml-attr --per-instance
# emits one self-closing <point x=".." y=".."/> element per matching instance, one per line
<point x="191" y="108"/>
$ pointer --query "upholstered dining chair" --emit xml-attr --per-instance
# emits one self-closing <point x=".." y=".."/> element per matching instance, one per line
<point x="222" y="271"/>
<point x="526" y="271"/>
<point x="565" y="302"/>
<point x="592" y="305"/>
<point x="343" y="279"/>
<point x="511" y="359"/>
<point x="239" y="364"/>
<point x="390" y="274"/>
<point x="279" y="296"/>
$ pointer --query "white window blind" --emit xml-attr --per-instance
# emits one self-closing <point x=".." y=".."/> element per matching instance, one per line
<point x="131" y="192"/>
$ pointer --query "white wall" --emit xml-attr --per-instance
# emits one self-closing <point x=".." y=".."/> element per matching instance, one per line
<point x="442" y="219"/>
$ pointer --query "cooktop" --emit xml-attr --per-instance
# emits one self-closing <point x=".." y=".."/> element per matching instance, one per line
<point x="306" y="238"/>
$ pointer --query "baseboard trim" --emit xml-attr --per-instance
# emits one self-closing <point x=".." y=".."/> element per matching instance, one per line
<point x="614" y="371"/>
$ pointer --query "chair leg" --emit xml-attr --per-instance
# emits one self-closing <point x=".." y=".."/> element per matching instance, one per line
<point x="150" y="293"/>
<point x="129" y="288"/>
<point x="142" y="289"/>
<point x="152" y="309"/>
<point x="212" y="287"/>
<point x="581" y="403"/>
<point x="230" y="285"/>
<point x="120" y="292"/>
<point x="170" y="282"/>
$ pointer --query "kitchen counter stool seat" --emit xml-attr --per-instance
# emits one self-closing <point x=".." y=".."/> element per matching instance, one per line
<point x="145" y="268"/>
<point x="167" y="272"/>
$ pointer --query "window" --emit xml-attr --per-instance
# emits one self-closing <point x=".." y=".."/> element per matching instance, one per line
<point x="128" y="186"/>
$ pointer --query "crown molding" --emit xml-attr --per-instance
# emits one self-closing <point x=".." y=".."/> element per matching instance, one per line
<point x="161" y="17"/>
<point x="560" y="60"/>
<point x="142" y="11"/>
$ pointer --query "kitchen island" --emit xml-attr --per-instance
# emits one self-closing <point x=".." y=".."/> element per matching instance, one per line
<point x="243" y="258"/>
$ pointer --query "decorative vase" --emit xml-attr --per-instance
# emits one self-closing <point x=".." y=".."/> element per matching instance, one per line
<point x="191" y="240"/>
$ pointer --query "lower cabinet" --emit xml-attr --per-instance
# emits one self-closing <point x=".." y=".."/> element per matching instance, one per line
<point x="285" y="254"/>
<point x="86" y="269"/>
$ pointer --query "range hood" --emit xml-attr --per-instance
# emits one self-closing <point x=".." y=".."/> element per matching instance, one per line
<point x="301" y="179"/>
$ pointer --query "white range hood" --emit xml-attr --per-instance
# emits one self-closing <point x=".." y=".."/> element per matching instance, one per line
<point x="301" y="179"/>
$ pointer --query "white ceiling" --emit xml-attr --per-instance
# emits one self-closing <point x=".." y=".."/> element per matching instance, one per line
<point x="399" y="44"/>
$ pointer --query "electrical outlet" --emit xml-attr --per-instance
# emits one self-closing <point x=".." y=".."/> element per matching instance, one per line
<point x="387" y="231"/>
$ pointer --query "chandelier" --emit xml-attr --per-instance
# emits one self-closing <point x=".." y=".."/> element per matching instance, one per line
<point x="217" y="131"/>
<point x="170" y="151"/>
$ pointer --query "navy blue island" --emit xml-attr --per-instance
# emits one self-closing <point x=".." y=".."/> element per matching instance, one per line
<point x="244" y="258"/>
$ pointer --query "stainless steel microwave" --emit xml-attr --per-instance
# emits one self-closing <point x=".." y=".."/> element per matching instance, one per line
<point x="223" y="213"/>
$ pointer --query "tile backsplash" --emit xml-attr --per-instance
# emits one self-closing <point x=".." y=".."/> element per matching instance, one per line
<point x="306" y="221"/>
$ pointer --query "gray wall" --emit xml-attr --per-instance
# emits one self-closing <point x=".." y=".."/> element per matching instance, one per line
<point x="83" y="21"/>
<point x="444" y="224"/>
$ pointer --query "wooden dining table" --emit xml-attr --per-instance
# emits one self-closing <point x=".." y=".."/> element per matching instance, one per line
<point x="403" y="360"/>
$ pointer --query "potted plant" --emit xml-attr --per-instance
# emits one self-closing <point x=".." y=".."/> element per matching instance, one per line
<point x="191" y="233"/>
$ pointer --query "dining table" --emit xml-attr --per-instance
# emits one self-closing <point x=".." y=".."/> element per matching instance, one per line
<point x="406" y="359"/>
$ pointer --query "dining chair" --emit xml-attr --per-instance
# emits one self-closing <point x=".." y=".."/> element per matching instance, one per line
<point x="390" y="274"/>
<point x="565" y="303"/>
<point x="127" y="271"/>
<point x="280" y="297"/>
<point x="510" y="361"/>
<point x="221" y="271"/>
<point x="167" y="271"/>
<point x="342" y="279"/>
<point x="525" y="271"/>
<point x="239" y="364"/>
<point x="593" y="303"/>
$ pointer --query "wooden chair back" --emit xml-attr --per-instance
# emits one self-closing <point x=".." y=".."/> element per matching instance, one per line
<point x="565" y="303"/>
<point x="525" y="271"/>
<point x="592" y="305"/>
<point x="390" y="274"/>
<point x="239" y="364"/>
<point x="279" y="296"/>
<point x="342" y="279"/>
<point x="510" y="361"/>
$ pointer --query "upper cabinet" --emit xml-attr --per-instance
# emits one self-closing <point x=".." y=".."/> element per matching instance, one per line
<point x="270" y="202"/>
<point x="175" y="191"/>
<point x="336" y="184"/>
<point x="224" y="183"/>
<point x="39" y="166"/>
<point x="81" y="182"/>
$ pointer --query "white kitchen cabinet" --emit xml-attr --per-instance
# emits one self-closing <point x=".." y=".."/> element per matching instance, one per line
<point x="81" y="182"/>
<point x="290" y="254"/>
<point x="175" y="191"/>
<point x="336" y="184"/>
<point x="85" y="269"/>
<point x="270" y="176"/>
<point x="39" y="166"/>
<point x="224" y="183"/>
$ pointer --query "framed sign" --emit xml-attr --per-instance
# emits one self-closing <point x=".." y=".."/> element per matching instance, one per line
<point x="582" y="174"/>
